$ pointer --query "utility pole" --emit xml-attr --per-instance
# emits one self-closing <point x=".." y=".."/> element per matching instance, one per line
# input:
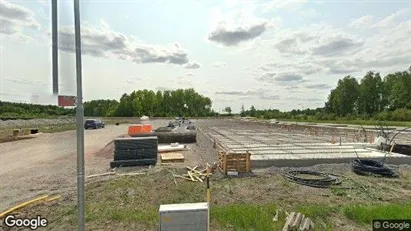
<point x="80" y="121"/>
<point x="54" y="49"/>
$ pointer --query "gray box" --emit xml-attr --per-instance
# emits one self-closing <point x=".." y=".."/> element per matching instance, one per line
<point x="185" y="217"/>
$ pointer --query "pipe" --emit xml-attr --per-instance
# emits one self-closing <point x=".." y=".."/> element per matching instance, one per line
<point x="22" y="205"/>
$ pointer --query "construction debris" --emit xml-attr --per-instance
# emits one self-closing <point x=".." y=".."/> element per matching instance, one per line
<point x="298" y="221"/>
<point x="172" y="157"/>
<point x="115" y="173"/>
<point x="197" y="175"/>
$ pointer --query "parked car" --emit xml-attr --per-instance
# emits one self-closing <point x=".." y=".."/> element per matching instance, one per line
<point x="93" y="123"/>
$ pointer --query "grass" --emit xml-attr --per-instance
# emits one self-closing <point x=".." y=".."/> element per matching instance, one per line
<point x="247" y="217"/>
<point x="365" y="214"/>
<point x="126" y="203"/>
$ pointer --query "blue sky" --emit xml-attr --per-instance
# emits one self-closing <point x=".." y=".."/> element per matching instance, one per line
<point x="270" y="54"/>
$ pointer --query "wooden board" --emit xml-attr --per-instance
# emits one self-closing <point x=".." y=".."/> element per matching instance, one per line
<point x="172" y="157"/>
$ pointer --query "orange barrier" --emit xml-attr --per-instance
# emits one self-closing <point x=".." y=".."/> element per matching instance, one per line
<point x="135" y="129"/>
<point x="147" y="128"/>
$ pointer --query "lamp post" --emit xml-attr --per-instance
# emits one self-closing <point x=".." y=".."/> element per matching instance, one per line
<point x="80" y="121"/>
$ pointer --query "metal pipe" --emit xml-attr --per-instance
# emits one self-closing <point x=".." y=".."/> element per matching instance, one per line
<point x="80" y="121"/>
<point x="54" y="49"/>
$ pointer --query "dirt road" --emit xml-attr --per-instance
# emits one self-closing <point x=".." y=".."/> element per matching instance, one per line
<point x="47" y="164"/>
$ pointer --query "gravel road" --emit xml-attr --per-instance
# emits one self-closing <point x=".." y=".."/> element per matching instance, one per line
<point x="47" y="163"/>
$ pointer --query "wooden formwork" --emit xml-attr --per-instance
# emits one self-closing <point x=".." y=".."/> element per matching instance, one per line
<point x="234" y="162"/>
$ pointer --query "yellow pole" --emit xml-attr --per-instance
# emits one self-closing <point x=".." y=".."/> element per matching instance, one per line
<point x="208" y="184"/>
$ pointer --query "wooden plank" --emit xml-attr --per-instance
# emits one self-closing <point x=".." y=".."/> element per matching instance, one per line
<point x="172" y="157"/>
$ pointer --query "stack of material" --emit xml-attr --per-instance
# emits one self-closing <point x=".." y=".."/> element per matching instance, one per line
<point x="298" y="221"/>
<point x="167" y="137"/>
<point x="135" y="151"/>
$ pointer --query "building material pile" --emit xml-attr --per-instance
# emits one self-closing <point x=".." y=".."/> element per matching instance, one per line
<point x="234" y="162"/>
<point x="172" y="157"/>
<point x="197" y="175"/>
<point x="135" y="151"/>
<point x="167" y="137"/>
<point x="298" y="221"/>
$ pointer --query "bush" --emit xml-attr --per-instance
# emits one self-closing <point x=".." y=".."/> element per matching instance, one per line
<point x="401" y="114"/>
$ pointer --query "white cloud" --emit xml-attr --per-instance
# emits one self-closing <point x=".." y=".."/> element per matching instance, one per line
<point x="363" y="22"/>
<point x="107" y="43"/>
<point x="192" y="65"/>
<point x="238" y="26"/>
<point x="393" y="19"/>
<point x="14" y="18"/>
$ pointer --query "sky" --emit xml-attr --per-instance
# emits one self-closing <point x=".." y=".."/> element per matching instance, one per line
<point x="278" y="54"/>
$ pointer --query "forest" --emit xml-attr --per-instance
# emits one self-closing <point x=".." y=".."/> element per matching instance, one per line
<point x="373" y="97"/>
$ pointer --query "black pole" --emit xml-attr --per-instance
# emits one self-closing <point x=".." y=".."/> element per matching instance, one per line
<point x="54" y="52"/>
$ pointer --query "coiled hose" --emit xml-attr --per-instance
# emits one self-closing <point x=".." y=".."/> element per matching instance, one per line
<point x="371" y="167"/>
<point x="312" y="178"/>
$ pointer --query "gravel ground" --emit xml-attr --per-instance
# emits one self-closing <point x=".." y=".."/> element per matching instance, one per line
<point x="35" y="122"/>
<point x="47" y="164"/>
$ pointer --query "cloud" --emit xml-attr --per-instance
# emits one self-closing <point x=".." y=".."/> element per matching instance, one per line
<point x="266" y="77"/>
<point x="189" y="74"/>
<point x="232" y="36"/>
<point x="290" y="45"/>
<point x="363" y="22"/>
<point x="219" y="64"/>
<point x="13" y="18"/>
<point x="393" y="19"/>
<point x="257" y="93"/>
<point x="106" y="43"/>
<point x="318" y="86"/>
<point x="336" y="46"/>
<point x="288" y="77"/>
<point x="192" y="65"/>
<point x="238" y="26"/>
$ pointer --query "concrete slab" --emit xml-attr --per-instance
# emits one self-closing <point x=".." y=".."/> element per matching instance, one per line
<point x="276" y="147"/>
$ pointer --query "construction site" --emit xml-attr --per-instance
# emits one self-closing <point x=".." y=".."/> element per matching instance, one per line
<point x="227" y="174"/>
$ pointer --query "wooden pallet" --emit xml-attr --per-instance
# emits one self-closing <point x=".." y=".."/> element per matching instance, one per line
<point x="172" y="157"/>
<point x="234" y="162"/>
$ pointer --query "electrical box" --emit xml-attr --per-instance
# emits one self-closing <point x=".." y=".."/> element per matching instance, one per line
<point x="185" y="217"/>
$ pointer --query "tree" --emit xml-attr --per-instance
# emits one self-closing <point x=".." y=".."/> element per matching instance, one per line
<point x="242" y="111"/>
<point x="371" y="94"/>
<point x="228" y="110"/>
<point x="343" y="99"/>
<point x="253" y="112"/>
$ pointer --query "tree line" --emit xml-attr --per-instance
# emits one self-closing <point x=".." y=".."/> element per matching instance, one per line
<point x="180" y="102"/>
<point x="373" y="97"/>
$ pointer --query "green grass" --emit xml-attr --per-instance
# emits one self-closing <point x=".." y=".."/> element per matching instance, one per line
<point x="365" y="214"/>
<point x="126" y="201"/>
<point x="247" y="217"/>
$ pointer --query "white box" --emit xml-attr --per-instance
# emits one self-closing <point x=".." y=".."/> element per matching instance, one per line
<point x="185" y="217"/>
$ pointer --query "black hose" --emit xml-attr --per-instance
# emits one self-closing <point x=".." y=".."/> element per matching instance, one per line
<point x="316" y="179"/>
<point x="371" y="167"/>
